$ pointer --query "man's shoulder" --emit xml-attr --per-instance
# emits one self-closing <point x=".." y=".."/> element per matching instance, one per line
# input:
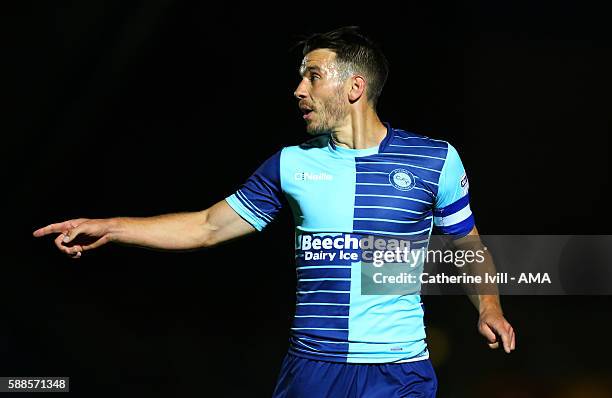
<point x="405" y="137"/>
<point x="318" y="141"/>
<point x="315" y="143"/>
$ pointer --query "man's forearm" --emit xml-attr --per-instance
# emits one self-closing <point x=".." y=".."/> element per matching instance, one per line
<point x="177" y="231"/>
<point x="486" y="294"/>
<point x="484" y="302"/>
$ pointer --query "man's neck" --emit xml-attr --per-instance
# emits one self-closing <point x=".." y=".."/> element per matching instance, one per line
<point x="360" y="131"/>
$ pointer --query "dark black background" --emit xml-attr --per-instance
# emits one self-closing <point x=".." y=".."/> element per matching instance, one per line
<point x="140" y="108"/>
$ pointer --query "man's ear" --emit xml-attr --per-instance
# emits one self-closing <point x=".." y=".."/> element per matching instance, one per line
<point x="357" y="89"/>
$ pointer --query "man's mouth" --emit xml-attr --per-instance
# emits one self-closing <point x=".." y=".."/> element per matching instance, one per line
<point x="306" y="111"/>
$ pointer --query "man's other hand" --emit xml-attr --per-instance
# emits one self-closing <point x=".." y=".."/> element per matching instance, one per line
<point x="493" y="326"/>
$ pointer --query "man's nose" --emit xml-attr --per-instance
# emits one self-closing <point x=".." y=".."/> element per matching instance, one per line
<point x="300" y="92"/>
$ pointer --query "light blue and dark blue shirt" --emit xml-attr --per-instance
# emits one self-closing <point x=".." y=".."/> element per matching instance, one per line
<point x="407" y="186"/>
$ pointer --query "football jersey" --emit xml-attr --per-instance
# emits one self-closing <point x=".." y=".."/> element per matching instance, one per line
<point x="405" y="187"/>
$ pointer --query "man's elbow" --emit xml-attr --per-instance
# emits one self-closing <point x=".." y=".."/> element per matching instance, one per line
<point x="208" y="240"/>
<point x="207" y="235"/>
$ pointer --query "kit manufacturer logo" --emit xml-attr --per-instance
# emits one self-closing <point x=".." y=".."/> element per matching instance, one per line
<point x="308" y="176"/>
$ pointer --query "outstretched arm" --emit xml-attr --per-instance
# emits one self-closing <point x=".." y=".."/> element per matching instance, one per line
<point x="491" y="321"/>
<point x="178" y="231"/>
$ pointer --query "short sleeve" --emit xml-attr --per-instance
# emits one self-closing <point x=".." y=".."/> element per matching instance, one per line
<point x="452" y="213"/>
<point x="258" y="200"/>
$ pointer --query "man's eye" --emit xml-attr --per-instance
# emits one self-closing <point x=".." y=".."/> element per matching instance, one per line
<point x="314" y="77"/>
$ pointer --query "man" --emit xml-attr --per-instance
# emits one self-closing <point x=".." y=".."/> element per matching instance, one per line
<point x="357" y="177"/>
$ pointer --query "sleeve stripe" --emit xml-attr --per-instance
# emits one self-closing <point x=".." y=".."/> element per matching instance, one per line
<point x="453" y="218"/>
<point x="459" y="230"/>
<point x="453" y="207"/>
<point x="246" y="202"/>
<point x="244" y="212"/>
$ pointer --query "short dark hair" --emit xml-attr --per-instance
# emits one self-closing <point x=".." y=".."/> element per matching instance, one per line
<point x="354" y="48"/>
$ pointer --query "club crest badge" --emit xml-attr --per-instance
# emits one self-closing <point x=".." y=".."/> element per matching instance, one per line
<point x="402" y="179"/>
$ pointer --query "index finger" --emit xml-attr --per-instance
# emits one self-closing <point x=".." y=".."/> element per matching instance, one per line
<point x="58" y="227"/>
<point x="52" y="228"/>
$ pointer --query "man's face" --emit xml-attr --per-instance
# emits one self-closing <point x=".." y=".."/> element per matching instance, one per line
<point x="321" y="92"/>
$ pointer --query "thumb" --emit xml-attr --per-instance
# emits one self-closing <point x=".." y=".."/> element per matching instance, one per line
<point x="488" y="333"/>
<point x="73" y="233"/>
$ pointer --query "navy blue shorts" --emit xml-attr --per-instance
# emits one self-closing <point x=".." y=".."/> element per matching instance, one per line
<point x="309" y="378"/>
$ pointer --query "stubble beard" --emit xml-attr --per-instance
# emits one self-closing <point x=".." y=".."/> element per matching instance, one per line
<point x="328" y="115"/>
